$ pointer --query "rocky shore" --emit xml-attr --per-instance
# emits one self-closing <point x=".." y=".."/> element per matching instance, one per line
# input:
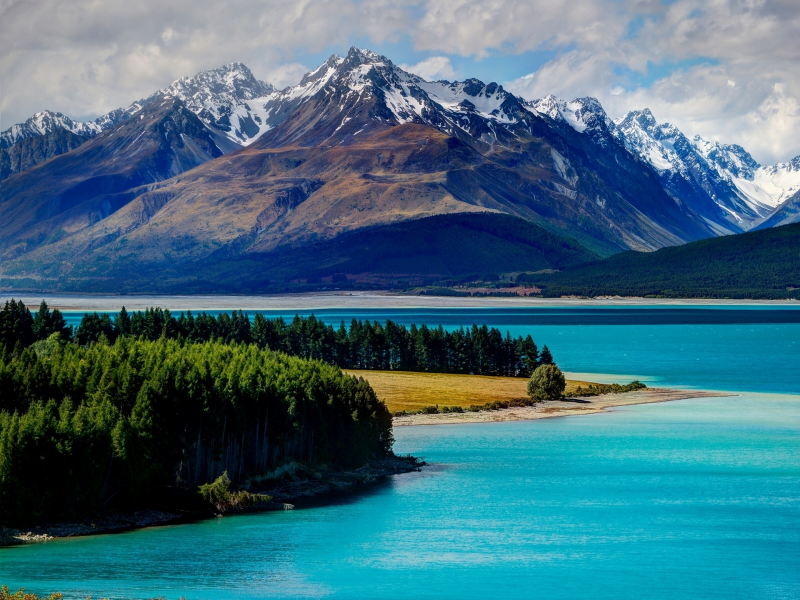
<point x="318" y="483"/>
<point x="294" y="482"/>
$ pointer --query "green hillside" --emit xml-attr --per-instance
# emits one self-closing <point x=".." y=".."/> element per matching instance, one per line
<point x="759" y="264"/>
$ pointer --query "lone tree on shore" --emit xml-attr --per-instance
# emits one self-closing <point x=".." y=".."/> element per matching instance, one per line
<point x="547" y="383"/>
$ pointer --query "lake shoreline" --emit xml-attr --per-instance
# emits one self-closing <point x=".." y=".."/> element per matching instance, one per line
<point x="350" y="300"/>
<point x="326" y="484"/>
<point x="586" y="405"/>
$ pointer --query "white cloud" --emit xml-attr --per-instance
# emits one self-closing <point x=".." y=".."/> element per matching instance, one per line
<point x="288" y="74"/>
<point x="432" y="69"/>
<point x="734" y="76"/>
<point x="85" y="57"/>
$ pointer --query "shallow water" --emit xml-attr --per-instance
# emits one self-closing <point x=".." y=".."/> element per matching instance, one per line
<point x="688" y="499"/>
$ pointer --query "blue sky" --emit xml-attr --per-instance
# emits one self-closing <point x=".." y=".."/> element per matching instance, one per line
<point x="723" y="69"/>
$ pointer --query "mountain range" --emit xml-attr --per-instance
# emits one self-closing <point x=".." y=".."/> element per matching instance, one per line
<point x="361" y="171"/>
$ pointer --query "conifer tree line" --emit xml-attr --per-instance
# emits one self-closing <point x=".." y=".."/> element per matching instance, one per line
<point x="123" y="424"/>
<point x="363" y="345"/>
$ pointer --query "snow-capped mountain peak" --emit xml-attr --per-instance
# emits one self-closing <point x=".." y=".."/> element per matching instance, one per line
<point x="730" y="158"/>
<point x="227" y="83"/>
<point x="218" y="96"/>
<point x="364" y="90"/>
<point x="368" y="89"/>
<point x="44" y="122"/>
<point x="725" y="174"/>
<point x="581" y="113"/>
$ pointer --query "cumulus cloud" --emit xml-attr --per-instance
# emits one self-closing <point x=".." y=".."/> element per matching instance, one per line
<point x="433" y="68"/>
<point x="85" y="57"/>
<point x="725" y="69"/>
<point x="288" y="74"/>
<point x="731" y="70"/>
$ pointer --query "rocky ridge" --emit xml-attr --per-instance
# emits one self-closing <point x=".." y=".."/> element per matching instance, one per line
<point x="728" y="189"/>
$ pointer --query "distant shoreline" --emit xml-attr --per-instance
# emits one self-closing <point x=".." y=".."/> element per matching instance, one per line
<point x="350" y="300"/>
<point x="561" y="408"/>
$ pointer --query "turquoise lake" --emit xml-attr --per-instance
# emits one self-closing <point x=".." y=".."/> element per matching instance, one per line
<point x="687" y="499"/>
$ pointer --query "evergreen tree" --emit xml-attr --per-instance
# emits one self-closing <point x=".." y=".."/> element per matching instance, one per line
<point x="122" y="323"/>
<point x="16" y="326"/>
<point x="93" y="327"/>
<point x="529" y="355"/>
<point x="118" y="425"/>
<point x="546" y="358"/>
<point x="47" y="322"/>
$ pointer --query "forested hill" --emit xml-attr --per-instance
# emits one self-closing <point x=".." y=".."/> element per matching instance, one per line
<point x="758" y="264"/>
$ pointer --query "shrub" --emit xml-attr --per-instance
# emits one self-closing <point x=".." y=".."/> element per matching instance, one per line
<point x="5" y="594"/>
<point x="614" y="388"/>
<point x="547" y="383"/>
<point x="218" y="496"/>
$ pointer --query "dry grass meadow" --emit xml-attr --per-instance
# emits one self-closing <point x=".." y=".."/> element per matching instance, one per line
<point x="402" y="390"/>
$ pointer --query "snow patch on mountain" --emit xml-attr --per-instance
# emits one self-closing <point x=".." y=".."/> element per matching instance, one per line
<point x="407" y="97"/>
<point x="470" y="95"/>
<point x="581" y="114"/>
<point x="766" y="186"/>
<point x="43" y="123"/>
<point x="747" y="191"/>
<point x="228" y="99"/>
<point x="225" y="99"/>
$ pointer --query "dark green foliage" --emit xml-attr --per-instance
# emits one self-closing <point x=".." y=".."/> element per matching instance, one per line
<point x="362" y="345"/>
<point x="494" y="405"/>
<point x="219" y="497"/>
<point x="758" y="264"/>
<point x="16" y="326"/>
<point x="547" y="383"/>
<point x="546" y="358"/>
<point x="600" y="389"/>
<point x="122" y="323"/>
<point x="83" y="428"/>
<point x="47" y="322"/>
<point x="93" y="327"/>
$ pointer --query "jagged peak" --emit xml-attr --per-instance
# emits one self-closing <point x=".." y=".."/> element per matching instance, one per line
<point x="325" y="69"/>
<point x="234" y="79"/>
<point x="730" y="157"/>
<point x="365" y="55"/>
<point x="644" y="118"/>
<point x="580" y="113"/>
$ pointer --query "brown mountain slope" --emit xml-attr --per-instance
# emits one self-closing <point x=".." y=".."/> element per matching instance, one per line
<point x="370" y="148"/>
<point x="70" y="192"/>
<point x="259" y="202"/>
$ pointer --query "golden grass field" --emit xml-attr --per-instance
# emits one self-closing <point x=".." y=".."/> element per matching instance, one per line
<point x="402" y="390"/>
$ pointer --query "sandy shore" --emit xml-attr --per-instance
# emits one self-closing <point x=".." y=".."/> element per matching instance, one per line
<point x="546" y="410"/>
<point x="345" y="300"/>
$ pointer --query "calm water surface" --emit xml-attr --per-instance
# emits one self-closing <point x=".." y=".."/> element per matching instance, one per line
<point x="690" y="499"/>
